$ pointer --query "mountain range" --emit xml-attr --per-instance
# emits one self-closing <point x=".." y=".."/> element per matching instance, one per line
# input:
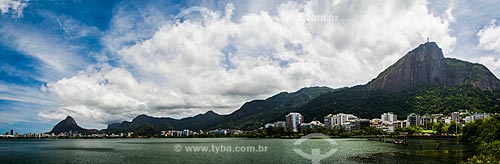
<point x="251" y="115"/>
<point x="195" y="123"/>
<point x="422" y="81"/>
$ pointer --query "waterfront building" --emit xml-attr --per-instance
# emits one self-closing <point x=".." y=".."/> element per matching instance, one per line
<point x="280" y="124"/>
<point x="305" y="126"/>
<point x="293" y="121"/>
<point x="425" y="120"/>
<point x="316" y="123"/>
<point x="330" y="121"/>
<point x="435" y="118"/>
<point x="218" y="132"/>
<point x="359" y="124"/>
<point x="476" y="116"/>
<point x="389" y="117"/>
<point x="376" y="124"/>
<point x="348" y="126"/>
<point x="447" y="120"/>
<point x="468" y="119"/>
<point x="414" y="119"/>
<point x="186" y="132"/>
<point x="384" y="125"/>
<point x="388" y="128"/>
<point x="344" y="118"/>
<point x="277" y="124"/>
<point x="311" y="125"/>
<point x="402" y="124"/>
<point x="268" y="125"/>
<point x="234" y="131"/>
<point x="338" y="120"/>
<point x="455" y="117"/>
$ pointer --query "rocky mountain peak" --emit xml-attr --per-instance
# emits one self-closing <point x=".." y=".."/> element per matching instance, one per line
<point x="426" y="65"/>
<point x="70" y="120"/>
<point x="66" y="125"/>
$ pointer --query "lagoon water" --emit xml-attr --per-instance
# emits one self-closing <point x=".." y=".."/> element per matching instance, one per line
<point x="175" y="150"/>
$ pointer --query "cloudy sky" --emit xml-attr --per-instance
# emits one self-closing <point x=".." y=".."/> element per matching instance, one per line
<point x="109" y="61"/>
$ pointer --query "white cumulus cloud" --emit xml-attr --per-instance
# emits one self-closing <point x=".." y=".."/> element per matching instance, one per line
<point x="14" y="7"/>
<point x="492" y="62"/>
<point x="489" y="40"/>
<point x="489" y="37"/>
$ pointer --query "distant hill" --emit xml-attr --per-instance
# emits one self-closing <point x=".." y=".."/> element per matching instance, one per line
<point x="251" y="115"/>
<point x="144" y="124"/>
<point x="66" y="125"/>
<point x="255" y="113"/>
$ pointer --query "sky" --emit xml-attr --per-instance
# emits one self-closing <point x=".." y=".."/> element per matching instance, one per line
<point x="108" y="61"/>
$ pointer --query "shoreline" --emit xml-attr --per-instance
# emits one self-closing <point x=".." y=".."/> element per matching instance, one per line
<point x="283" y="137"/>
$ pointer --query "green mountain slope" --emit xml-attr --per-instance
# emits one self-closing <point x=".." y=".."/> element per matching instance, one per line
<point x="251" y="115"/>
<point x="258" y="112"/>
<point x="423" y="100"/>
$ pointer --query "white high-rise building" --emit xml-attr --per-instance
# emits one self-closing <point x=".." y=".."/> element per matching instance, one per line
<point x="455" y="117"/>
<point x="344" y="118"/>
<point x="337" y="120"/>
<point x="402" y="124"/>
<point x="414" y="119"/>
<point x="293" y="121"/>
<point x="476" y="116"/>
<point x="389" y="117"/>
<point x="277" y="124"/>
<point x="351" y="117"/>
<point x="330" y="121"/>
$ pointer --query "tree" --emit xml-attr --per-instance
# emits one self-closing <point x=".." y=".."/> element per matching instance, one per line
<point x="438" y="127"/>
<point x="487" y="153"/>
<point x="413" y="129"/>
<point x="454" y="128"/>
<point x="486" y="134"/>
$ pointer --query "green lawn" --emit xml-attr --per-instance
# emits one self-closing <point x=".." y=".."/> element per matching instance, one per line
<point x="428" y="131"/>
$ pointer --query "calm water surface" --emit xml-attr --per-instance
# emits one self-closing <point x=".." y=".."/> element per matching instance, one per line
<point x="82" y="151"/>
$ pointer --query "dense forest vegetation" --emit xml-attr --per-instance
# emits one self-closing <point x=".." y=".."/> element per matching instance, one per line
<point x="425" y="100"/>
<point x="450" y="99"/>
<point x="485" y="137"/>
